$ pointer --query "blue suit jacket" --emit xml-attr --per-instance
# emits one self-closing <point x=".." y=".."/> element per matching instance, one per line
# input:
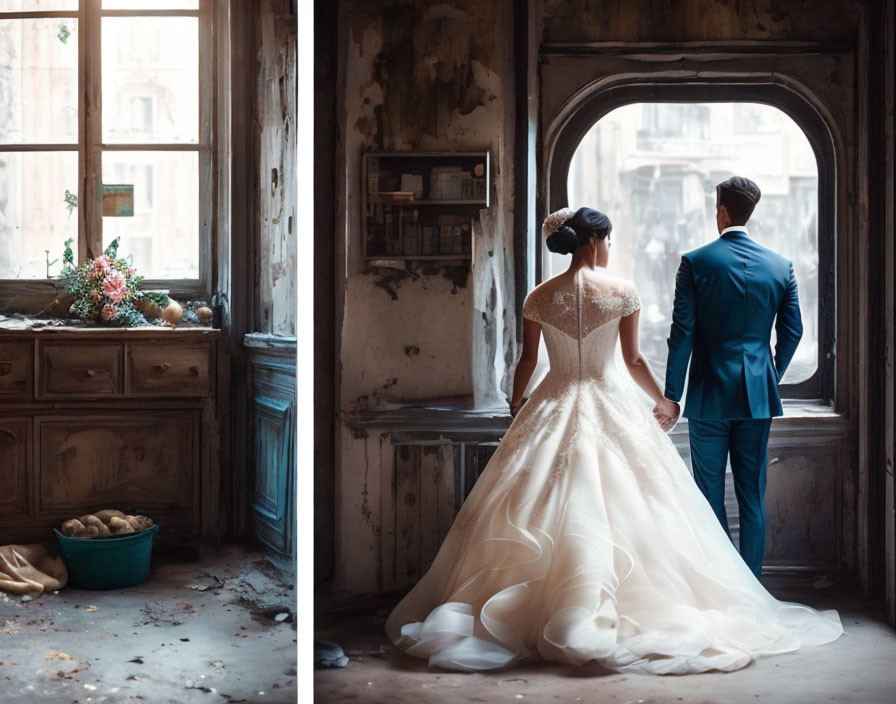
<point x="728" y="294"/>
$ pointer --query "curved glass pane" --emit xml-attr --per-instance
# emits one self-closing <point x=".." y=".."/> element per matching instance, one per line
<point x="653" y="168"/>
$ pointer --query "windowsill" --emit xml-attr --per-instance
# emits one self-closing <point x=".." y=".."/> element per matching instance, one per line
<point x="52" y="326"/>
<point x="798" y="413"/>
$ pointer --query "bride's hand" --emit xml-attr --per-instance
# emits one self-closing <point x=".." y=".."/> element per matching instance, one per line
<point x="666" y="413"/>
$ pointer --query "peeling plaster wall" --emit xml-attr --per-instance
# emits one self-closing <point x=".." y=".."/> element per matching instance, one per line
<point x="416" y="75"/>
<point x="276" y="112"/>
<point x="424" y="76"/>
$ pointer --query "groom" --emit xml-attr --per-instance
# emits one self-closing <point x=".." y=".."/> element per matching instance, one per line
<point x="728" y="294"/>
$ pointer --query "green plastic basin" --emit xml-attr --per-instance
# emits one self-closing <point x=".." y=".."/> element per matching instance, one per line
<point x="107" y="563"/>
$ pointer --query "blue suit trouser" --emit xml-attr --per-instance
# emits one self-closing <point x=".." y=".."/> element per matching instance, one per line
<point x="746" y="441"/>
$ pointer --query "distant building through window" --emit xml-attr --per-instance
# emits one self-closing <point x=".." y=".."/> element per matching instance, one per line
<point x="653" y="168"/>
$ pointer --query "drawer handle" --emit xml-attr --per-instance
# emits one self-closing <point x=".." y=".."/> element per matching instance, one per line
<point x="194" y="371"/>
<point x="91" y="373"/>
<point x="5" y="368"/>
<point x="164" y="366"/>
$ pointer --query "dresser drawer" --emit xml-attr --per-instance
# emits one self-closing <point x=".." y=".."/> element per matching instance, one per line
<point x="77" y="369"/>
<point x="15" y="371"/>
<point x="167" y="370"/>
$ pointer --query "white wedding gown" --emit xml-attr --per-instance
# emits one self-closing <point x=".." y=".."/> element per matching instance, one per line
<point x="586" y="537"/>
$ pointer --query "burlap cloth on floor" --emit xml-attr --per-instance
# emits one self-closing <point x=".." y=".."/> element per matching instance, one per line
<point x="28" y="569"/>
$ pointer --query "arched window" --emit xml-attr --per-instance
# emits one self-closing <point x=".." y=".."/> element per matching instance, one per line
<point x="653" y="166"/>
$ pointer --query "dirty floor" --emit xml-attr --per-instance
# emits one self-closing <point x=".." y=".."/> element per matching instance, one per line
<point x="220" y="628"/>
<point x="858" y="667"/>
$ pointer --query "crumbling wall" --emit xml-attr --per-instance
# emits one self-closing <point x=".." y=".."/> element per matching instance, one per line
<point x="276" y="148"/>
<point x="424" y="76"/>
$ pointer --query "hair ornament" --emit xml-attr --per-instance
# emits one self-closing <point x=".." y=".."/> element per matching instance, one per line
<point x="555" y="220"/>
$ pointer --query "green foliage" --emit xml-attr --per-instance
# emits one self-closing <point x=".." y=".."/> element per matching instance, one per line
<point x="64" y="33"/>
<point x="71" y="201"/>
<point x="112" y="249"/>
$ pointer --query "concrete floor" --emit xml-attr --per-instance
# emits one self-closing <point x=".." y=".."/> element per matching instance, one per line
<point x="860" y="666"/>
<point x="198" y="631"/>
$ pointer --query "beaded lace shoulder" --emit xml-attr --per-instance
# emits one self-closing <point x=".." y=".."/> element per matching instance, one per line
<point x="602" y="298"/>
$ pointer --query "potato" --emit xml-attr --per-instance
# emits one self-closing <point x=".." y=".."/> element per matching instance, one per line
<point x="72" y="528"/>
<point x="108" y="513"/>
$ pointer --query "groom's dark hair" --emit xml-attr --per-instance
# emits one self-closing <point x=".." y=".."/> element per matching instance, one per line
<point x="739" y="195"/>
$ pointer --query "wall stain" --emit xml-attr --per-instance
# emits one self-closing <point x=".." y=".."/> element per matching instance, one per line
<point x="698" y="20"/>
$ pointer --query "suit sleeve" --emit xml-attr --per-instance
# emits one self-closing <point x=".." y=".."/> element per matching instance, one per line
<point x="681" y="334"/>
<point x="788" y="326"/>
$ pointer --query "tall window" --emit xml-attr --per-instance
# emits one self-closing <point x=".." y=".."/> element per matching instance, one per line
<point x="653" y="168"/>
<point x="144" y="62"/>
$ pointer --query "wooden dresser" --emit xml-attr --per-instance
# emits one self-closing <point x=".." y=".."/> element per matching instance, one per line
<point x="124" y="418"/>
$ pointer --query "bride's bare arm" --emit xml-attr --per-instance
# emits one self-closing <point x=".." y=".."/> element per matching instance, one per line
<point x="638" y="367"/>
<point x="527" y="362"/>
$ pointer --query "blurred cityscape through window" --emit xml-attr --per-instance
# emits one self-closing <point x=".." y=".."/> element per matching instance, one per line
<point x="653" y="169"/>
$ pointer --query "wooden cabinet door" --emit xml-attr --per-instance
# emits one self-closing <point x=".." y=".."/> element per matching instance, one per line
<point x="13" y="468"/>
<point x="273" y="451"/>
<point x="145" y="460"/>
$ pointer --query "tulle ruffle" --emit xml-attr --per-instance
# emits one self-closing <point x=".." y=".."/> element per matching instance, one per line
<point x="586" y="538"/>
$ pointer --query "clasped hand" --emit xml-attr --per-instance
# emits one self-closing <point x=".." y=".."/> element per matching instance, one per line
<point x="666" y="413"/>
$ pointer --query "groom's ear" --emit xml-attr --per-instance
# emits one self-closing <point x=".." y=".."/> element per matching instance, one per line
<point x="724" y="217"/>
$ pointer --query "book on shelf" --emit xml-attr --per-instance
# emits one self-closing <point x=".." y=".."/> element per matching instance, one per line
<point x="450" y="183"/>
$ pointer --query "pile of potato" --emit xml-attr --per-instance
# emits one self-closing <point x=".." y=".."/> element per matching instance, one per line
<point x="105" y="524"/>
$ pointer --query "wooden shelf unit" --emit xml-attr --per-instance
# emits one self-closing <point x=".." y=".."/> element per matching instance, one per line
<point x="422" y="227"/>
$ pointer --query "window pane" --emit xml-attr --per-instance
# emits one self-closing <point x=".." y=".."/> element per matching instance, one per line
<point x="150" y="4"/>
<point x="653" y="168"/>
<point x="150" y="79"/>
<point x="163" y="234"/>
<point x="39" y="81"/>
<point x="34" y="216"/>
<point x="38" y="5"/>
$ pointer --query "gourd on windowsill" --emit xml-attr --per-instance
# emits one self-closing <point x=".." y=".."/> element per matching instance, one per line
<point x="173" y="312"/>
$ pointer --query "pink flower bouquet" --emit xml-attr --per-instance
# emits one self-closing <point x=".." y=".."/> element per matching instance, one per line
<point x="106" y="289"/>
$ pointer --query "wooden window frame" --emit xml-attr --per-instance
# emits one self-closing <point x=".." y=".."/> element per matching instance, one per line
<point x="820" y="386"/>
<point x="90" y="147"/>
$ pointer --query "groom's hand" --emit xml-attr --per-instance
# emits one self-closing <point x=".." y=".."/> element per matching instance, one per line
<point x="666" y="413"/>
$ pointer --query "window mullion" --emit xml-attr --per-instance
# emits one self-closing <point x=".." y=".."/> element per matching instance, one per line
<point x="90" y="197"/>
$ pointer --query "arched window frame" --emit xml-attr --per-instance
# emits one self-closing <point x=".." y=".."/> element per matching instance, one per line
<point x="601" y="102"/>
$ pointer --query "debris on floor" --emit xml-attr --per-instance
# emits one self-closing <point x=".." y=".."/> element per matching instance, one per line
<point x="329" y="654"/>
<point x="162" y="640"/>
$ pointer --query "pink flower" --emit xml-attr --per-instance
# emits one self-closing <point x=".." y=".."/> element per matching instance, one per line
<point x="114" y="287"/>
<point x="109" y="311"/>
<point x="103" y="263"/>
<point x="95" y="297"/>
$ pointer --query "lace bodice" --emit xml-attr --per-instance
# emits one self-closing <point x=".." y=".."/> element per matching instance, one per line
<point x="580" y="316"/>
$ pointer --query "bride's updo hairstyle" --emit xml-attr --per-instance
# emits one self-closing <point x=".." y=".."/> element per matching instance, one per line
<point x="566" y="230"/>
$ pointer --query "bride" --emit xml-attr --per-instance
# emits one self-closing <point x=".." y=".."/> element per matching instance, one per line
<point x="585" y="537"/>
